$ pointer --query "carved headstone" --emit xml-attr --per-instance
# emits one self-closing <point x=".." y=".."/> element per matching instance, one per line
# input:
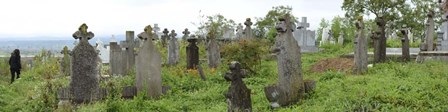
<point x="239" y="31"/>
<point x="430" y="31"/>
<point x="248" y="30"/>
<point x="156" y="30"/>
<point x="238" y="96"/>
<point x="65" y="61"/>
<point x="341" y="38"/>
<point x="186" y="34"/>
<point x="406" y="56"/>
<point x="148" y="67"/>
<point x="290" y="82"/>
<point x="84" y="76"/>
<point x="305" y="38"/>
<point x="129" y="46"/>
<point x="117" y="59"/>
<point x="192" y="53"/>
<point x="360" y="49"/>
<point x="173" y="49"/>
<point x="213" y="55"/>
<point x="165" y="37"/>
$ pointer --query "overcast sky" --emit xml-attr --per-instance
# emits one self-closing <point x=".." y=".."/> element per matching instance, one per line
<point x="60" y="18"/>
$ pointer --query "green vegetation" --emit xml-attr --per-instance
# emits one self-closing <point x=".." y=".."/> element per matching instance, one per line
<point x="389" y="86"/>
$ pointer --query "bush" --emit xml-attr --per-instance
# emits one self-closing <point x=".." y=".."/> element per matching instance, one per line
<point x="247" y="52"/>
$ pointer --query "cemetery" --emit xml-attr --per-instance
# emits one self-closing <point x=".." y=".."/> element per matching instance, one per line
<point x="368" y="60"/>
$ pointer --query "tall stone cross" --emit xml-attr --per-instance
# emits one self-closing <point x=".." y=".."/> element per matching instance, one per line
<point x="186" y="34"/>
<point x="82" y="34"/>
<point x="430" y="31"/>
<point x="165" y="36"/>
<point x="248" y="31"/>
<point x="129" y="45"/>
<point x="156" y="30"/>
<point x="360" y="49"/>
<point x="304" y="24"/>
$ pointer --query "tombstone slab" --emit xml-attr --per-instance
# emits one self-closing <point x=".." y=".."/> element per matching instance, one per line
<point x="213" y="55"/>
<point x="361" y="56"/>
<point x="173" y="49"/>
<point x="84" y="76"/>
<point x="248" y="30"/>
<point x="290" y="82"/>
<point x="148" y="67"/>
<point x="192" y="53"/>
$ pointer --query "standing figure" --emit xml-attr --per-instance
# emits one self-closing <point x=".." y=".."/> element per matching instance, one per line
<point x="14" y="64"/>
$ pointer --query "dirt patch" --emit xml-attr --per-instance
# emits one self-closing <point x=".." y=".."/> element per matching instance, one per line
<point x="335" y="64"/>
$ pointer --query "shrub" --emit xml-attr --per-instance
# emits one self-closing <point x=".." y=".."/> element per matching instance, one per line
<point x="247" y="52"/>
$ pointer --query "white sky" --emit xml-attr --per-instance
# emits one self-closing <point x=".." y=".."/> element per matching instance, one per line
<point x="60" y="18"/>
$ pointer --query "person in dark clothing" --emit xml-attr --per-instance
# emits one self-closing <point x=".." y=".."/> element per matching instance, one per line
<point x="14" y="64"/>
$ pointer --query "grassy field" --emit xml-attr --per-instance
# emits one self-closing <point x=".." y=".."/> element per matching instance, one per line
<point x="390" y="86"/>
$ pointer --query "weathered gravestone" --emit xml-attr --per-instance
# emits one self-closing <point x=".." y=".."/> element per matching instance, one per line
<point x="65" y="61"/>
<point x="406" y="56"/>
<point x="129" y="46"/>
<point x="238" y="95"/>
<point x="291" y="86"/>
<point x="117" y="59"/>
<point x="429" y="32"/>
<point x="305" y="37"/>
<point x="213" y="55"/>
<point x="248" y="30"/>
<point x="325" y="36"/>
<point x="360" y="49"/>
<point x="103" y="51"/>
<point x="173" y="49"/>
<point x="165" y="37"/>
<point x="84" y="76"/>
<point x="341" y="38"/>
<point x="156" y="30"/>
<point x="148" y="67"/>
<point x="239" y="31"/>
<point x="192" y="53"/>
<point x="186" y="34"/>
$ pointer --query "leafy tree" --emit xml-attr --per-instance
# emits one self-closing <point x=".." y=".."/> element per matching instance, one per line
<point x="323" y="24"/>
<point x="214" y="25"/>
<point x="265" y="26"/>
<point x="384" y="10"/>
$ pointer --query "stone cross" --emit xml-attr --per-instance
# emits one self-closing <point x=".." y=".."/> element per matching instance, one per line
<point x="149" y="67"/>
<point x="156" y="30"/>
<point x="248" y="31"/>
<point x="405" y="45"/>
<point x="238" y="96"/>
<point x="360" y="49"/>
<point x="84" y="85"/>
<point x="173" y="49"/>
<point x="290" y="87"/>
<point x="82" y="34"/>
<point x="304" y="24"/>
<point x="65" y="63"/>
<point x="192" y="53"/>
<point x="239" y="31"/>
<point x="430" y="31"/>
<point x="186" y="34"/>
<point x="341" y="38"/>
<point x="165" y="36"/>
<point x="129" y="46"/>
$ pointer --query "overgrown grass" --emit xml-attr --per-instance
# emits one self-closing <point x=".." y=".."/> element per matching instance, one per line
<point x="389" y="86"/>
